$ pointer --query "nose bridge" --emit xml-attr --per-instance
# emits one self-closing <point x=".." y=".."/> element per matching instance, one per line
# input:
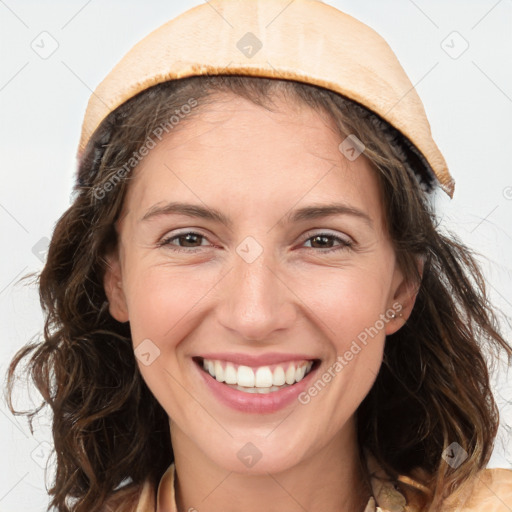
<point x="255" y="302"/>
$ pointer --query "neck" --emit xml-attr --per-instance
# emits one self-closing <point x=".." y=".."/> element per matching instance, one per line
<point x="333" y="479"/>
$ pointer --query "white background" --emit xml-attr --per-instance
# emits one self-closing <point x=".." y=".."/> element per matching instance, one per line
<point x="42" y="101"/>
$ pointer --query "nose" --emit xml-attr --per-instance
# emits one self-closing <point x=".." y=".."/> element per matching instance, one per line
<point x="255" y="302"/>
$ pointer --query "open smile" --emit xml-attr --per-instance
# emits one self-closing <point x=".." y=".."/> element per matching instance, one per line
<point x="262" y="389"/>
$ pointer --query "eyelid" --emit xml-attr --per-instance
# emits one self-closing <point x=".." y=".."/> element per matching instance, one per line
<point x="310" y="233"/>
<point x="345" y="242"/>
<point x="169" y="235"/>
<point x="320" y="231"/>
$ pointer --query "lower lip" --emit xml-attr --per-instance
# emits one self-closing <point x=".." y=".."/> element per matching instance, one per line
<point x="255" y="402"/>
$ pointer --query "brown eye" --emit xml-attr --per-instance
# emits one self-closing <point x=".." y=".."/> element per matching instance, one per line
<point x="325" y="241"/>
<point x="189" y="239"/>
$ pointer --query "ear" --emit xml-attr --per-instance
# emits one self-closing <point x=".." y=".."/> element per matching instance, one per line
<point x="404" y="293"/>
<point x="113" y="285"/>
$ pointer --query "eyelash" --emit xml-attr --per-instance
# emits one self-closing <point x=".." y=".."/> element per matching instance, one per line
<point x="345" y="244"/>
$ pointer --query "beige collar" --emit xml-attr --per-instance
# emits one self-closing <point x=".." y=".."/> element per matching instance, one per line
<point x="386" y="498"/>
<point x="491" y="490"/>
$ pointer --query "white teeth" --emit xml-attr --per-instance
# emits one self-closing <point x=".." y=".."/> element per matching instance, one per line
<point x="278" y="378"/>
<point x="299" y="373"/>
<point x="230" y="374"/>
<point x="245" y="376"/>
<point x="219" y="372"/>
<point x="257" y="380"/>
<point x="263" y="377"/>
<point x="261" y="391"/>
<point x="211" y="368"/>
<point x="290" y="374"/>
<point x="247" y="390"/>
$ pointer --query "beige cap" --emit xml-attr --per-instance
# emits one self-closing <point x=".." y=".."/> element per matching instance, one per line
<point x="303" y="40"/>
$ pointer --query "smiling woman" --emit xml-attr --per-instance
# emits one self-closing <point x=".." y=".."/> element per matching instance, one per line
<point x="249" y="305"/>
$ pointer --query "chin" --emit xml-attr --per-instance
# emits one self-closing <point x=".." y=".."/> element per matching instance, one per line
<point x="258" y="456"/>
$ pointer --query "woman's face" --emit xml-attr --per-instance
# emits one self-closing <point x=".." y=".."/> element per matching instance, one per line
<point x="263" y="286"/>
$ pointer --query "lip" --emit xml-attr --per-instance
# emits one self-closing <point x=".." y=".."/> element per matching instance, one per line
<point x="257" y="360"/>
<point x="255" y="402"/>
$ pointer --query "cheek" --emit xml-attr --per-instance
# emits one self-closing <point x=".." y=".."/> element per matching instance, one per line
<point x="161" y="302"/>
<point x="349" y="305"/>
<point x="345" y="301"/>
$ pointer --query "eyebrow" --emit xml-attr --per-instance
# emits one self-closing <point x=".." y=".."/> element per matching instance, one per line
<point x="315" y="211"/>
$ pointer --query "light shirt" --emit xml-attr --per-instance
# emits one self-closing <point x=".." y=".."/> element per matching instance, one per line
<point x="491" y="491"/>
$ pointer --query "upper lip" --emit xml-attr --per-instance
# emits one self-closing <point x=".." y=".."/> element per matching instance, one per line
<point x="257" y="360"/>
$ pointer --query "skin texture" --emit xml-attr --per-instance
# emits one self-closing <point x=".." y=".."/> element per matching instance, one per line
<point x="255" y="165"/>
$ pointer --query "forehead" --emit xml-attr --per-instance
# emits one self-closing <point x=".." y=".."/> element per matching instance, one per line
<point x="235" y="151"/>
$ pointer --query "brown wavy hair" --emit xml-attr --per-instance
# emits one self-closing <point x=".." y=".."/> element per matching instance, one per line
<point x="111" y="434"/>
